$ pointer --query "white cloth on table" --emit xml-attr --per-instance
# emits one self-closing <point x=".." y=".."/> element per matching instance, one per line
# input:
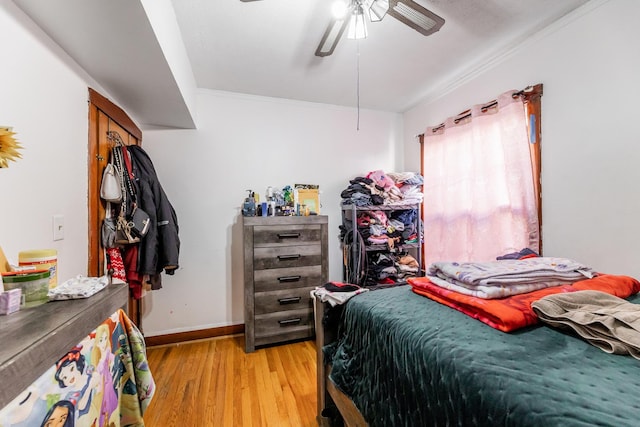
<point x="78" y="287"/>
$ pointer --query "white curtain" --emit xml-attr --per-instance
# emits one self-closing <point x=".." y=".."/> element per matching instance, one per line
<point x="479" y="196"/>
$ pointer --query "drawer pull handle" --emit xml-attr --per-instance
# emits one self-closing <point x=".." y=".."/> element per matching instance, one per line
<point x="288" y="257"/>
<point x="291" y="300"/>
<point x="288" y="235"/>
<point x="289" y="278"/>
<point x="288" y="322"/>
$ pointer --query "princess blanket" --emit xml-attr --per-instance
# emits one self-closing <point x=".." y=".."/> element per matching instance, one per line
<point x="102" y="381"/>
<point x="503" y="278"/>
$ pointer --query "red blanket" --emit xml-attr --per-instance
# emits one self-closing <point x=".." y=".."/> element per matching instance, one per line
<point x="514" y="312"/>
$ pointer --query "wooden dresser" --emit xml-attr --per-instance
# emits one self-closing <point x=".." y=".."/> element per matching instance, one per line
<point x="285" y="258"/>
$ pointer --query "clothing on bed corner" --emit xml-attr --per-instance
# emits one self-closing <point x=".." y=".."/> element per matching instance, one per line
<point x="610" y="323"/>
<point x="337" y="293"/>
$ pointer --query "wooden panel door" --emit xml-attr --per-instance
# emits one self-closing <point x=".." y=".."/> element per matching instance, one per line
<point x="105" y="116"/>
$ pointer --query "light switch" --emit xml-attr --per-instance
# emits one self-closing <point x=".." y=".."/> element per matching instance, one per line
<point x="58" y="227"/>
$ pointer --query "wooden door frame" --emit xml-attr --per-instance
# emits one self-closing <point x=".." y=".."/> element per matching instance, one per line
<point x="104" y="113"/>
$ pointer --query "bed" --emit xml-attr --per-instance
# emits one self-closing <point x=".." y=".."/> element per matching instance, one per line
<point x="405" y="360"/>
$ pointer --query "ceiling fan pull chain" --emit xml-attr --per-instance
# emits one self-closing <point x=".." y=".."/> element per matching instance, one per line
<point x="358" y="82"/>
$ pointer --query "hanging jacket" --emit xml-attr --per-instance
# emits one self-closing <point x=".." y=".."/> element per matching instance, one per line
<point x="160" y="247"/>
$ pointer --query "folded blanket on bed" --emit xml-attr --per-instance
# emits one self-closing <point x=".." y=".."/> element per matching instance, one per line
<point x="498" y="279"/>
<point x="606" y="321"/>
<point x="515" y="312"/>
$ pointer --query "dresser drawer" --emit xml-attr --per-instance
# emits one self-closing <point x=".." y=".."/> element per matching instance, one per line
<point x="286" y="256"/>
<point x="284" y="300"/>
<point x="269" y="235"/>
<point x="287" y="278"/>
<point x="297" y="333"/>
<point x="284" y="323"/>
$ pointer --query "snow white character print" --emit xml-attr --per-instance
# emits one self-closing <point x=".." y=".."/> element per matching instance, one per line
<point x="73" y="374"/>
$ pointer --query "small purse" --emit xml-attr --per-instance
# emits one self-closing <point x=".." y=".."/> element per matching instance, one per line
<point x="110" y="188"/>
<point x="108" y="229"/>
<point x="139" y="222"/>
<point x="124" y="232"/>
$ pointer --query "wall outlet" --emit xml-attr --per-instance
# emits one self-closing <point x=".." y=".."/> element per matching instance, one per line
<point x="58" y="227"/>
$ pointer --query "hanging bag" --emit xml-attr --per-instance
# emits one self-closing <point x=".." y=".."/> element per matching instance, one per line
<point x="133" y="229"/>
<point x="111" y="188"/>
<point x="124" y="231"/>
<point x="108" y="229"/>
<point x="139" y="220"/>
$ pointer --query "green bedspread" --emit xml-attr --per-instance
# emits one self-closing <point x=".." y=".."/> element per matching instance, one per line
<point x="408" y="361"/>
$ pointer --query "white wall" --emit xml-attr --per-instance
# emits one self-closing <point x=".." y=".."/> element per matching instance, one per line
<point x="248" y="142"/>
<point x="46" y="103"/>
<point x="589" y="65"/>
<point x="242" y="142"/>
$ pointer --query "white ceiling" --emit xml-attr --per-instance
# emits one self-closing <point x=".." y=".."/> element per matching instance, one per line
<point x="266" y="47"/>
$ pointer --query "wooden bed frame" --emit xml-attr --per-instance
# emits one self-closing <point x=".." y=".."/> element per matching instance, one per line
<point x="330" y="399"/>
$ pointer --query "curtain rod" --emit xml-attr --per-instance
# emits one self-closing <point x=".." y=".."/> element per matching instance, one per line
<point x="467" y="113"/>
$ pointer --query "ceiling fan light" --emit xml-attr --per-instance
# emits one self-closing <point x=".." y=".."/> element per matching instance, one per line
<point x="357" y="26"/>
<point x="339" y="9"/>
<point x="378" y="10"/>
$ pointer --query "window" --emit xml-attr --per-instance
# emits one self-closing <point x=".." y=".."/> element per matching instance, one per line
<point x="481" y="180"/>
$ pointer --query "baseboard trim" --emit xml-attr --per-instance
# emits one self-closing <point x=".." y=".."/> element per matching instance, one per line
<point x="193" y="335"/>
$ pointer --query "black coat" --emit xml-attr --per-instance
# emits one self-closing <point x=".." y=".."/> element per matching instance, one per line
<point x="160" y="248"/>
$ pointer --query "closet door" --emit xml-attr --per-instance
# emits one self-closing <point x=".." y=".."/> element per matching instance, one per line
<point x="105" y="116"/>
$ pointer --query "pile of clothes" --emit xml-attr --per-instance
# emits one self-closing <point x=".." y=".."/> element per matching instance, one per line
<point x="399" y="190"/>
<point x="386" y="268"/>
<point x="391" y="228"/>
<point x="386" y="209"/>
<point x="520" y="289"/>
<point x="380" y="188"/>
<point x="506" y="277"/>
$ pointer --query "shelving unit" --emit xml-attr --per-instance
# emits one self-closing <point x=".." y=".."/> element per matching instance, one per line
<point x="358" y="252"/>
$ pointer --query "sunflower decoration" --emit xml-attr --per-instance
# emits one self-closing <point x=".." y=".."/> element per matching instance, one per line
<point x="8" y="147"/>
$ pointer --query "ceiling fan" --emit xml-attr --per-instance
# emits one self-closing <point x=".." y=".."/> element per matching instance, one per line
<point x="351" y="14"/>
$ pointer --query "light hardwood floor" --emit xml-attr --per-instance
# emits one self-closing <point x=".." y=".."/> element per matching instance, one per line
<point x="215" y="383"/>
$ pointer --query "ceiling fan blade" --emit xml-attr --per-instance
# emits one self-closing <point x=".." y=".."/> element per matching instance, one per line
<point x="331" y="37"/>
<point x="415" y="16"/>
<point x="377" y="9"/>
